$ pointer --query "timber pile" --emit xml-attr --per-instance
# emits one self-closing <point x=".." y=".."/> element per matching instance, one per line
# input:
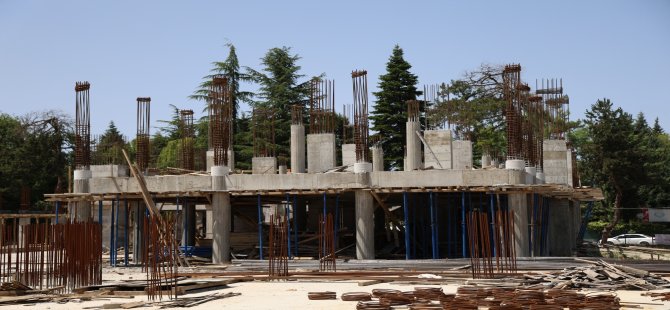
<point x="599" y="276"/>
<point x="662" y="296"/>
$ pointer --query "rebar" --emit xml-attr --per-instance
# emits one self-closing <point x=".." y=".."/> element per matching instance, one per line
<point x="263" y="127"/>
<point x="278" y="248"/>
<point x="511" y="94"/>
<point x="322" y="106"/>
<point x="82" y="134"/>
<point x="296" y="114"/>
<point x="327" y="258"/>
<point x="360" y="83"/>
<point x="413" y="107"/>
<point x="220" y="122"/>
<point x="186" y="158"/>
<point x="348" y="124"/>
<point x="142" y="141"/>
<point x="557" y="108"/>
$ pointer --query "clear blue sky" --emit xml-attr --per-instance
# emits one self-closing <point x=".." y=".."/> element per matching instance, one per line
<point x="614" y="49"/>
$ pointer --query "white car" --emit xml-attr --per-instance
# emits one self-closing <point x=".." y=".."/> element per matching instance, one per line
<point x="631" y="239"/>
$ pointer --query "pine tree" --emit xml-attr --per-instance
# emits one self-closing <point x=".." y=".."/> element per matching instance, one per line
<point x="390" y="113"/>
<point x="279" y="89"/>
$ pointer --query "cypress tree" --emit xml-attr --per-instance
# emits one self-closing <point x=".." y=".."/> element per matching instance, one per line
<point x="390" y="113"/>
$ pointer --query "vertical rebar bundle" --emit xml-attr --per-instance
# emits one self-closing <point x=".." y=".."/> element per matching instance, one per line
<point x="430" y="101"/>
<point x="51" y="256"/>
<point x="360" y="81"/>
<point x="278" y="247"/>
<point x="82" y="134"/>
<point x="557" y="107"/>
<point x="161" y="256"/>
<point x="220" y="122"/>
<point x="536" y="113"/>
<point x="296" y="114"/>
<point x="186" y="151"/>
<point x="413" y="110"/>
<point x="321" y="106"/>
<point x="526" y="118"/>
<point x="142" y="142"/>
<point x="263" y="127"/>
<point x="511" y="82"/>
<point x="327" y="258"/>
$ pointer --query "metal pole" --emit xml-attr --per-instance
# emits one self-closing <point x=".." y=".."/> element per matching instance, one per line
<point x="57" y="207"/>
<point x="295" y="227"/>
<point x="287" y="211"/>
<point x="337" y="218"/>
<point x="260" y="228"/>
<point x="125" y="241"/>
<point x="111" y="238"/>
<point x="463" y="245"/>
<point x="433" y="226"/>
<point x="406" y="210"/>
<point x="323" y="224"/>
<point x="492" y="215"/>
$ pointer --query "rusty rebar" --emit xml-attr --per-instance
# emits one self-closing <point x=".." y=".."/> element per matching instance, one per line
<point x="296" y="114"/>
<point x="186" y="151"/>
<point x="263" y="127"/>
<point x="321" y="106"/>
<point x="360" y="87"/>
<point x="278" y="247"/>
<point x="82" y="142"/>
<point x="220" y="122"/>
<point x="142" y="140"/>
<point x="327" y="258"/>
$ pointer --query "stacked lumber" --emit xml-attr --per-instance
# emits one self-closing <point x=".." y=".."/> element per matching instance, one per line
<point x="600" y="276"/>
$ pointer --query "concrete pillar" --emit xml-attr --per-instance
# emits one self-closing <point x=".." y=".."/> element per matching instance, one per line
<point x="264" y="165"/>
<point x="365" y="230"/>
<point x="439" y="154"/>
<point x="530" y="175"/>
<point x="81" y="210"/>
<point x="413" y="161"/>
<point x="282" y="169"/>
<point x="486" y="160"/>
<point x="209" y="159"/>
<point x="377" y="158"/>
<point x="321" y="152"/>
<point x="560" y="231"/>
<point x="555" y="162"/>
<point x="461" y="153"/>
<point x="519" y="204"/>
<point x="221" y="215"/>
<point x="231" y="158"/>
<point x="138" y="231"/>
<point x="348" y="154"/>
<point x="297" y="148"/>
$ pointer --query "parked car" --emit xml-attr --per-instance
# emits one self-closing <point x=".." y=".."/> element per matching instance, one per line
<point x="631" y="239"/>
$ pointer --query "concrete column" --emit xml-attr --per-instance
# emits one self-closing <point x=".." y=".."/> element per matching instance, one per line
<point x="560" y="230"/>
<point x="519" y="204"/>
<point x="377" y="158"/>
<point x="297" y="149"/>
<point x="138" y="231"/>
<point x="413" y="146"/>
<point x="365" y="230"/>
<point x="486" y="160"/>
<point x="81" y="210"/>
<point x="221" y="215"/>
<point x="321" y="152"/>
<point x="231" y="159"/>
<point x="348" y="154"/>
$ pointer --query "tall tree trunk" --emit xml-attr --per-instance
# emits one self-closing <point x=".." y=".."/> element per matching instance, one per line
<point x="618" y="200"/>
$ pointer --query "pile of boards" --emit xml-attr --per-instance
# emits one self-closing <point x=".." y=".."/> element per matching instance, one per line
<point x="600" y="275"/>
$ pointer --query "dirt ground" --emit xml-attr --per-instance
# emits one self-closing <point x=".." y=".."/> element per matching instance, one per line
<point x="289" y="295"/>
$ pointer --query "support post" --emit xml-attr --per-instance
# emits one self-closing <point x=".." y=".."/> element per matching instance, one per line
<point x="463" y="230"/>
<point x="406" y="211"/>
<point x="433" y="226"/>
<point x="125" y="234"/>
<point x="365" y="230"/>
<point x="260" y="227"/>
<point x="221" y="215"/>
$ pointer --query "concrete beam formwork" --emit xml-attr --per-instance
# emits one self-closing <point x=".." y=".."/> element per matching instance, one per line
<point x="321" y="152"/>
<point x="297" y="148"/>
<point x="413" y="158"/>
<point x="221" y="216"/>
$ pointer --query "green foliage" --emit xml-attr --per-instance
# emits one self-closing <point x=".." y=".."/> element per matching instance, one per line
<point x="32" y="154"/>
<point x="396" y="86"/>
<point x="108" y="149"/>
<point x="168" y="155"/>
<point x="279" y="88"/>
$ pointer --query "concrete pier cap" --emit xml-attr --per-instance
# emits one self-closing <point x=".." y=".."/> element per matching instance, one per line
<point x="220" y="171"/>
<point x="362" y="167"/>
<point x="82" y="174"/>
<point x="515" y="164"/>
<point x="530" y="175"/>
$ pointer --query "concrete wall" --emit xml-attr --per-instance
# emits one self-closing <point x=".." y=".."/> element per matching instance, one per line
<point x="321" y="152"/>
<point x="561" y="234"/>
<point x="348" y="154"/>
<point x="264" y="165"/>
<point x="440" y="143"/>
<point x="462" y="154"/>
<point x="109" y="171"/>
<point x="555" y="163"/>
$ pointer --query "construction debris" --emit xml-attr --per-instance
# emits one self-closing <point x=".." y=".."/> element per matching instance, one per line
<point x="600" y="276"/>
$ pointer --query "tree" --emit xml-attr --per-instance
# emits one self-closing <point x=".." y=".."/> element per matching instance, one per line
<point x="612" y="158"/>
<point x="390" y="114"/>
<point x="230" y="68"/>
<point x="279" y="89"/>
<point x="109" y="146"/>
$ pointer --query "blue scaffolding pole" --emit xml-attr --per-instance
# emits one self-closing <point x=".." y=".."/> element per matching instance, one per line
<point x="295" y="227"/>
<point x="493" y="216"/>
<point x="337" y="218"/>
<point x="433" y="226"/>
<point x="287" y="211"/>
<point x="406" y="210"/>
<point x="463" y="245"/>
<point x="260" y="228"/>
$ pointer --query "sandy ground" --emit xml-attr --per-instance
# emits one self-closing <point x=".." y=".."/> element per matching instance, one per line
<point x="285" y="295"/>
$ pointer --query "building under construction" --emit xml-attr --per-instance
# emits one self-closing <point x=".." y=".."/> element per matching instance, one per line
<point x="440" y="206"/>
